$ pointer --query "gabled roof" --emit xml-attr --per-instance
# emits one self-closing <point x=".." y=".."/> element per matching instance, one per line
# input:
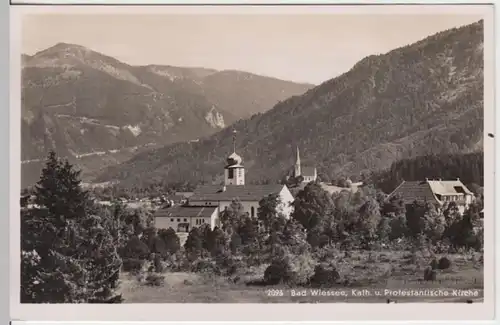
<point x="448" y="187"/>
<point x="185" y="211"/>
<point x="241" y="192"/>
<point x="419" y="191"/>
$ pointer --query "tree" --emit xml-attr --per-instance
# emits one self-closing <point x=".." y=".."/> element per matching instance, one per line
<point x="68" y="252"/>
<point x="235" y="243"/>
<point x="268" y="210"/>
<point x="311" y="205"/>
<point x="172" y="241"/>
<point x="295" y="237"/>
<point x="434" y="223"/>
<point x="136" y="249"/>
<point x="395" y="204"/>
<point x="384" y="228"/>
<point x="463" y="231"/>
<point x="369" y="219"/>
<point x="248" y="230"/>
<point x="194" y="243"/>
<point x="415" y="218"/>
<point x="293" y="181"/>
<point x="231" y="217"/>
<point x="399" y="228"/>
<point x="215" y="241"/>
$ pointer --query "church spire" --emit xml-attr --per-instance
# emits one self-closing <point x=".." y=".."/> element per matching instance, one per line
<point x="298" y="171"/>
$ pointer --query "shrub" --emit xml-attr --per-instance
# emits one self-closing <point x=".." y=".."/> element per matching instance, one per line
<point x="444" y="263"/>
<point x="325" y="275"/>
<point x="302" y="268"/>
<point x="133" y="265"/>
<point x="136" y="249"/>
<point x="280" y="271"/>
<point x="155" y="280"/>
<point x="434" y="264"/>
<point x="205" y="266"/>
<point x="429" y="274"/>
<point x="158" y="265"/>
<point x="229" y="265"/>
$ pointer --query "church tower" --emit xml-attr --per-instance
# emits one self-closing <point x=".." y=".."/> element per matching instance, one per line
<point x="297" y="171"/>
<point x="234" y="172"/>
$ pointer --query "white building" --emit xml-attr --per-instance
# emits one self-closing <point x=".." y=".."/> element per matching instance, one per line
<point x="209" y="201"/>
<point x="309" y="174"/>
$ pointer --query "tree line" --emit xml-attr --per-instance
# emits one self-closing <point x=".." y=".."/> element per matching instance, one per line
<point x="468" y="167"/>
<point x="73" y="251"/>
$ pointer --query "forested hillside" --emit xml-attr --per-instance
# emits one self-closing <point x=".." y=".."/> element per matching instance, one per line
<point x="98" y="111"/>
<point x="424" y="98"/>
<point x="468" y="167"/>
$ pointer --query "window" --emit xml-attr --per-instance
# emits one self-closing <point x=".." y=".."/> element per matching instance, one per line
<point x="202" y="220"/>
<point x="230" y="173"/>
<point x="252" y="211"/>
<point x="171" y="219"/>
<point x="185" y="219"/>
<point x="178" y="220"/>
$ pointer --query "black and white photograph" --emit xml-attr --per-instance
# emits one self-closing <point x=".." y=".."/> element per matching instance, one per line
<point x="254" y="158"/>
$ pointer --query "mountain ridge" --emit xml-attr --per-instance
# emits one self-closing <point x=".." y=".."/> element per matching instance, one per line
<point x="85" y="104"/>
<point x="418" y="99"/>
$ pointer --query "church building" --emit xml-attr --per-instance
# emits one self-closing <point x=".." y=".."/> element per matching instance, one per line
<point x="309" y="174"/>
<point x="207" y="202"/>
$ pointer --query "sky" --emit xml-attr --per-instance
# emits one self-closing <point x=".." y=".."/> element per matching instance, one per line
<point x="301" y="48"/>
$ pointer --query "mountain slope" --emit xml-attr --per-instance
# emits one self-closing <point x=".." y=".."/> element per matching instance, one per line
<point x="420" y="99"/>
<point x="98" y="111"/>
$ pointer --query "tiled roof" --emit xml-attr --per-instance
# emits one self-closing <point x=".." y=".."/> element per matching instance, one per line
<point x="241" y="192"/>
<point x="185" y="211"/>
<point x="308" y="171"/>
<point x="184" y="194"/>
<point x="415" y="191"/>
<point x="176" y="198"/>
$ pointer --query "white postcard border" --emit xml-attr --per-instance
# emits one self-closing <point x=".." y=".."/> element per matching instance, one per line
<point x="253" y="312"/>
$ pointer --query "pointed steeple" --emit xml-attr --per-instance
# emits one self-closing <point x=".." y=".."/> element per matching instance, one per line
<point x="297" y="170"/>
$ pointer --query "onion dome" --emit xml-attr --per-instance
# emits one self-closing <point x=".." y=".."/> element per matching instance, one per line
<point x="234" y="159"/>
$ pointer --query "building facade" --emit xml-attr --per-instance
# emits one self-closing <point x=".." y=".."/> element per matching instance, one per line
<point x="208" y="201"/>
<point x="436" y="192"/>
<point x="308" y="174"/>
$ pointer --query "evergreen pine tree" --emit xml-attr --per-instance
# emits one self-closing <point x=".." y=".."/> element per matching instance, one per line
<point x="68" y="252"/>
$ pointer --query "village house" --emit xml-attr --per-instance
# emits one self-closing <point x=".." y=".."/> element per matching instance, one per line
<point x="436" y="192"/>
<point x="207" y="202"/>
<point x="308" y="174"/>
<point x="350" y="187"/>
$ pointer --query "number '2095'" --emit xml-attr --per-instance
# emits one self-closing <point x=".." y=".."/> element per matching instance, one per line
<point x="274" y="292"/>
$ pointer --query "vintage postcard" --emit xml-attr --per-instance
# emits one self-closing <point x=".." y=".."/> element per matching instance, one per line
<point x="328" y="157"/>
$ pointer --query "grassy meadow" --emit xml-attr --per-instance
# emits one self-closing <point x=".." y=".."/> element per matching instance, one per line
<point x="361" y="270"/>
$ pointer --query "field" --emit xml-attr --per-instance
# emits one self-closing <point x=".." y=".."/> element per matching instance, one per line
<point x="375" y="270"/>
